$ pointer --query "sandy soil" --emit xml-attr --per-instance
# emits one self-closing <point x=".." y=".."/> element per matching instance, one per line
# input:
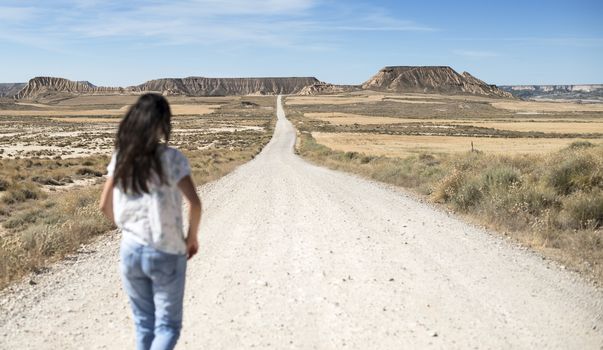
<point x="531" y="106"/>
<point x="414" y="101"/>
<point x="295" y="256"/>
<point x="51" y="111"/>
<point x="404" y="145"/>
<point x="332" y="99"/>
<point x="517" y="124"/>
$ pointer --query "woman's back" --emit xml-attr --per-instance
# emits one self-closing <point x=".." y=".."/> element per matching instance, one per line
<point x="154" y="218"/>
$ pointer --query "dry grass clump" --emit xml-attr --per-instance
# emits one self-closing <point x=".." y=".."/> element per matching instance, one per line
<point x="49" y="231"/>
<point x="551" y="202"/>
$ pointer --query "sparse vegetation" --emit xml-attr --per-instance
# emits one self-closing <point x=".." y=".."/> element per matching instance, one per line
<point x="550" y="199"/>
<point x="49" y="207"/>
<point x="552" y="203"/>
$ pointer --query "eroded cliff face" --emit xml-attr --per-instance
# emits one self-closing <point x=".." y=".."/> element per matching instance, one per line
<point x="10" y="89"/>
<point x="200" y="86"/>
<point x="438" y="79"/>
<point x="39" y="87"/>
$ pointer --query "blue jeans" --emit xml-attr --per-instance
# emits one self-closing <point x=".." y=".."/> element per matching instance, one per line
<point x="154" y="283"/>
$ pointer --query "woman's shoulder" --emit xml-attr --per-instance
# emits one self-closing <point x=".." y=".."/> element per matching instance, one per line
<point x="172" y="153"/>
<point x="177" y="163"/>
<point x="175" y="157"/>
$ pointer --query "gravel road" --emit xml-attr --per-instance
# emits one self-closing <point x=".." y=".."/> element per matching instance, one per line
<point x="295" y="256"/>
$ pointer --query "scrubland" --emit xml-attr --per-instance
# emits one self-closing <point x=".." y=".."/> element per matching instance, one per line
<point x="52" y="167"/>
<point x="539" y="186"/>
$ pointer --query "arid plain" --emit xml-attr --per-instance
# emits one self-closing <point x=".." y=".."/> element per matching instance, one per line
<point x="53" y="155"/>
<point x="57" y="146"/>
<point x="405" y="124"/>
<point x="293" y="255"/>
<point x="529" y="170"/>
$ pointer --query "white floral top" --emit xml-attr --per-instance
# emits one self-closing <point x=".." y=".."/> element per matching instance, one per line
<point x="154" y="218"/>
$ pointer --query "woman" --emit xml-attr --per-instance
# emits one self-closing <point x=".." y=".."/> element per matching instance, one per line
<point x="143" y="197"/>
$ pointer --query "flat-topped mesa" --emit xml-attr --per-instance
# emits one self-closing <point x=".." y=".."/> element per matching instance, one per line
<point x="201" y="86"/>
<point x="434" y="79"/>
<point x="41" y="86"/>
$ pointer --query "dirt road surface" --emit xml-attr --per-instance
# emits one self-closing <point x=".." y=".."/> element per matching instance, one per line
<point x="294" y="256"/>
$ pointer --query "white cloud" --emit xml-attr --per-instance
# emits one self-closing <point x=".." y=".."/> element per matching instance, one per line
<point x="548" y="41"/>
<point x="475" y="53"/>
<point x="310" y="24"/>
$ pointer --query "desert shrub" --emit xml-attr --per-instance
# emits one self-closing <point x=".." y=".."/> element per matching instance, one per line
<point x="468" y="194"/>
<point x="535" y="198"/>
<point x="4" y="184"/>
<point x="574" y="173"/>
<point x="88" y="171"/>
<point x="500" y="176"/>
<point x="428" y="159"/>
<point x="583" y="210"/>
<point x="22" y="219"/>
<point x="366" y="159"/>
<point x="448" y="186"/>
<point x="351" y="155"/>
<point x="21" y="192"/>
<point x="580" y="144"/>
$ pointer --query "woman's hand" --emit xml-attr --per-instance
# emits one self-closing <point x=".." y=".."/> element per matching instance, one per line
<point x="187" y="187"/>
<point x="106" y="200"/>
<point x="192" y="246"/>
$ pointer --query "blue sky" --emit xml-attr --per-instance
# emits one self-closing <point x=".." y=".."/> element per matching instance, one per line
<point x="118" y="42"/>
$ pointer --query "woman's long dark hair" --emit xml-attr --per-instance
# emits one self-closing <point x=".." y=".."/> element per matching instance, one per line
<point x="138" y="143"/>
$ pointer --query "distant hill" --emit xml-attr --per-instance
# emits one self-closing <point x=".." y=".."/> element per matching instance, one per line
<point x="430" y="79"/>
<point x="48" y="87"/>
<point x="399" y="79"/>
<point x="40" y="87"/>
<point x="583" y="92"/>
<point x="200" y="86"/>
<point x="10" y="89"/>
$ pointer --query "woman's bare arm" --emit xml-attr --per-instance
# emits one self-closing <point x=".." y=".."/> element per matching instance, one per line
<point x="187" y="186"/>
<point x="106" y="200"/>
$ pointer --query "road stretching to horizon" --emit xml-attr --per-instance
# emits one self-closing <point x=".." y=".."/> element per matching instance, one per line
<point x="295" y="256"/>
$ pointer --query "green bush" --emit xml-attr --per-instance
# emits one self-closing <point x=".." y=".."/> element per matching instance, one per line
<point x="580" y="145"/>
<point x="467" y="195"/>
<point x="500" y="176"/>
<point x="22" y="219"/>
<point x="21" y="193"/>
<point x="584" y="210"/>
<point x="535" y="199"/>
<point x="351" y="155"/>
<point x="573" y="174"/>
